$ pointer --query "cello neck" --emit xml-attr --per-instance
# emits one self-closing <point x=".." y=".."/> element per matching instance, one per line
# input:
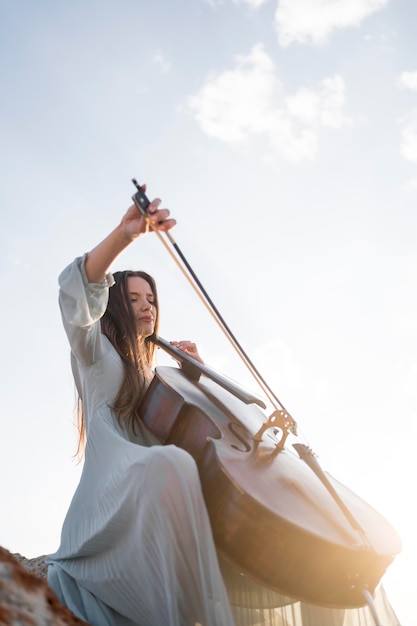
<point x="193" y="369"/>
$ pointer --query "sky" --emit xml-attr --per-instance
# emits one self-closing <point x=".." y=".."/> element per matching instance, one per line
<point x="282" y="136"/>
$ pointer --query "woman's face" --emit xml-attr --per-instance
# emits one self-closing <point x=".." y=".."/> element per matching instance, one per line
<point x="142" y="301"/>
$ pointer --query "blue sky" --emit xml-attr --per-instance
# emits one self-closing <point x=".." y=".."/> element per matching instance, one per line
<point x="283" y="137"/>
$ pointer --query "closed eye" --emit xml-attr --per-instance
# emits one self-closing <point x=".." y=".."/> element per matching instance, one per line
<point x="150" y="298"/>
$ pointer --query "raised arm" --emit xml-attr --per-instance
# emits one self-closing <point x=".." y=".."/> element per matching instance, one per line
<point x="132" y="226"/>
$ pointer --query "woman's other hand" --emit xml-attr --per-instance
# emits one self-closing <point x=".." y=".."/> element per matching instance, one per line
<point x="189" y="348"/>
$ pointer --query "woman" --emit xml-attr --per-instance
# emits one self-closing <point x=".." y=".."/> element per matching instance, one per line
<point x="136" y="545"/>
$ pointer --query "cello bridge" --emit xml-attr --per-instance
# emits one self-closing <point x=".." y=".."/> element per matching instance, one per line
<point x="281" y="420"/>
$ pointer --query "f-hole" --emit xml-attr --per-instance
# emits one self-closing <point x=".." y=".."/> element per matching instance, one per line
<point x="233" y="427"/>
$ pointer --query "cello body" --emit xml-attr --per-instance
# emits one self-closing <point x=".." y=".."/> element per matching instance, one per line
<point x="273" y="519"/>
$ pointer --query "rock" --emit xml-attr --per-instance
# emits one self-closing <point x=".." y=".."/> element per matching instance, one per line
<point x="37" y="565"/>
<point x="25" y="597"/>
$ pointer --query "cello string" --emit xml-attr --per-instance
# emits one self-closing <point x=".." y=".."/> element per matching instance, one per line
<point x="371" y="604"/>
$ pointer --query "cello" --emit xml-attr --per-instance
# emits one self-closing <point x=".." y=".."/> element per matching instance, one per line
<point x="276" y="515"/>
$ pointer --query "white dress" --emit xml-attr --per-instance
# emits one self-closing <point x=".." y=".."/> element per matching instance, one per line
<point x="136" y="545"/>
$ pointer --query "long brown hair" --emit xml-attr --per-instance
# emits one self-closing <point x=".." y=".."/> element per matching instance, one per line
<point x="136" y="352"/>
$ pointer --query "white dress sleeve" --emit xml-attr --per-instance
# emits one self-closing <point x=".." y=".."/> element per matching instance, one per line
<point x="82" y="305"/>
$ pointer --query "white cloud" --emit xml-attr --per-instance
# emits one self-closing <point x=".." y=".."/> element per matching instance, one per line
<point x="408" y="80"/>
<point x="18" y="261"/>
<point x="324" y="105"/>
<point x="254" y="4"/>
<point x="412" y="184"/>
<point x="160" y="60"/>
<point x="248" y="101"/>
<point x="312" y="21"/>
<point x="409" y="136"/>
<point x="234" y="104"/>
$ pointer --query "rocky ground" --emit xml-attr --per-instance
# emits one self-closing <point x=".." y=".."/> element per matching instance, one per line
<point x="37" y="566"/>
<point x="25" y="597"/>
